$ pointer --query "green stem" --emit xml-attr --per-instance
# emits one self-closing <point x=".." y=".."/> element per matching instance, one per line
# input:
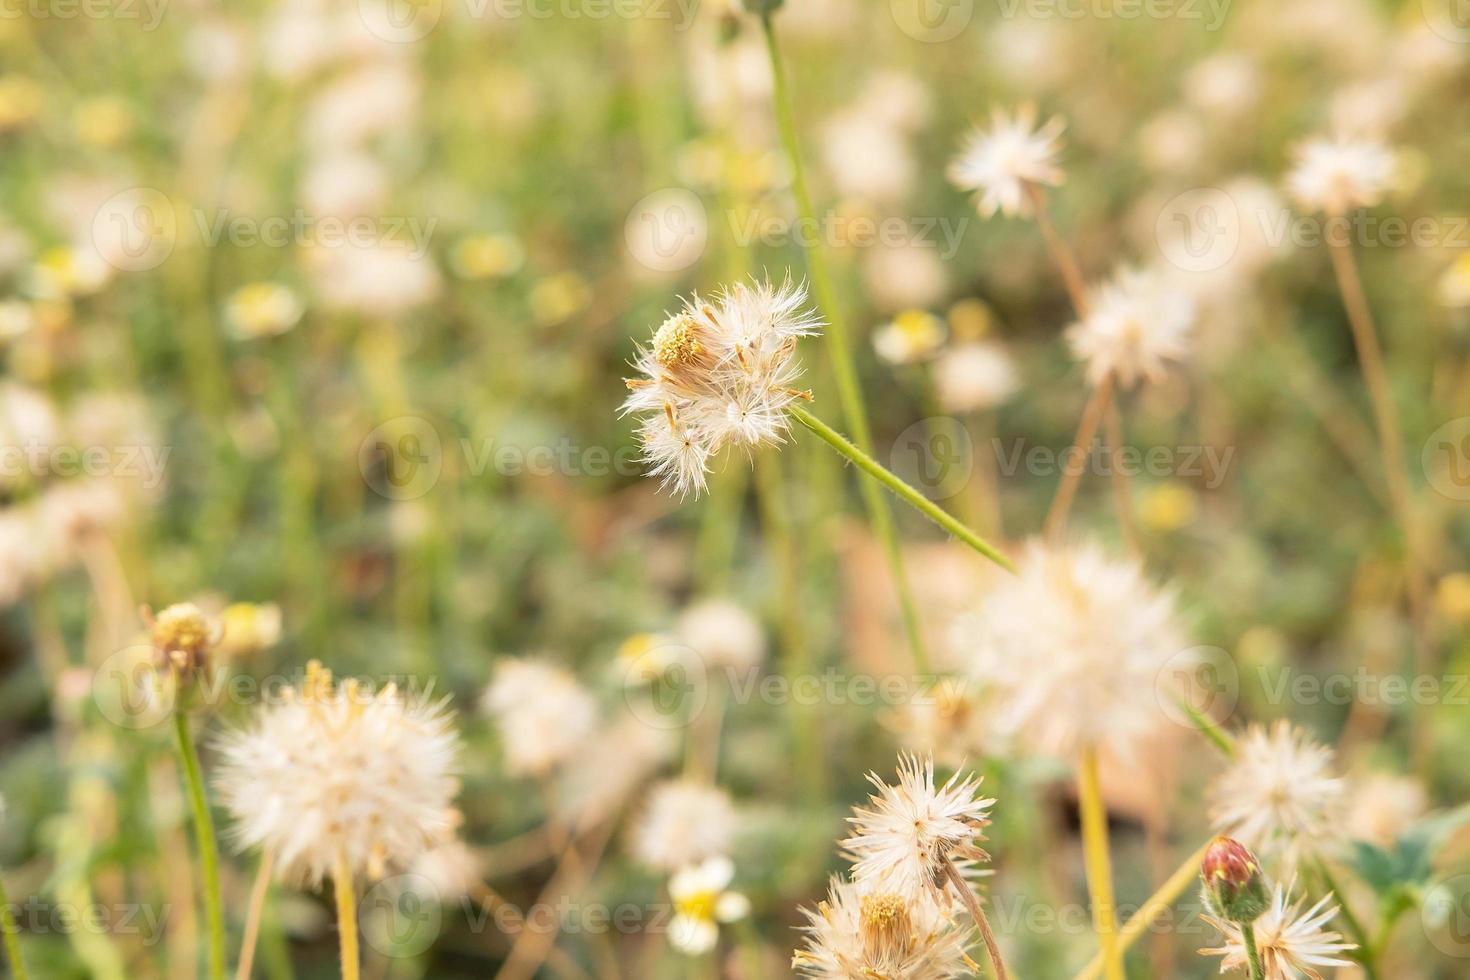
<point x="214" y="910"/>
<point x="1252" y="955"/>
<point x="1366" y="954"/>
<point x="905" y="492"/>
<point x="1217" y="735"/>
<point x="12" y="937"/>
<point x="840" y="348"/>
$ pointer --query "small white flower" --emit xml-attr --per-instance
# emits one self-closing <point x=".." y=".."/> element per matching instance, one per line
<point x="1338" y="175"/>
<point x="684" y="823"/>
<point x="902" y="843"/>
<point x="543" y="713"/>
<point x="723" y="634"/>
<point x="998" y="162"/>
<point x="262" y="309"/>
<point x="718" y="373"/>
<point x="1068" y="652"/>
<point x="1137" y="325"/>
<point x="974" y="377"/>
<point x="862" y="932"/>
<point x="1291" y="943"/>
<point x="1280" y="797"/>
<point x="701" y="902"/>
<point x="910" y="337"/>
<point x="334" y="773"/>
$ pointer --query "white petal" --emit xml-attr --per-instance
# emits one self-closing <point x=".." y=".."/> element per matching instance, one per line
<point x="693" y="936"/>
<point x="732" y="907"/>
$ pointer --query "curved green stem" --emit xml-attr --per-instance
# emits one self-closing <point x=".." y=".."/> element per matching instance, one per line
<point x="906" y="493"/>
<point x="12" y="937"/>
<point x="214" y="910"/>
<point x="839" y="346"/>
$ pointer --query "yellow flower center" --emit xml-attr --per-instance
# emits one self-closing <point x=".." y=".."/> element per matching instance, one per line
<point x="698" y="905"/>
<point x="677" y="341"/>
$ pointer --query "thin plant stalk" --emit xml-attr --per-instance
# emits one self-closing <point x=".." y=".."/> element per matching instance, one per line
<point x="839" y="347"/>
<point x="258" y="893"/>
<point x="1367" y="952"/>
<point x="906" y="493"/>
<point x="992" y="948"/>
<point x="1092" y="416"/>
<point x="204" y="839"/>
<point x="12" y="937"/>
<point x="1061" y="252"/>
<point x="346" y="891"/>
<point x="1122" y="485"/>
<point x="1148" y="913"/>
<point x="1099" y="865"/>
<point x="1252" y="955"/>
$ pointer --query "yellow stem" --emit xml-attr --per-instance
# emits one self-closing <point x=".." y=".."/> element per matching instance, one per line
<point x="1092" y="416"/>
<point x="1099" y="865"/>
<point x="1148" y="913"/>
<point x="258" y="892"/>
<point x="347" y="918"/>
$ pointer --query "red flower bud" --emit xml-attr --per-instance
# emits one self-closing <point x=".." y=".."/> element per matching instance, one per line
<point x="1234" y="887"/>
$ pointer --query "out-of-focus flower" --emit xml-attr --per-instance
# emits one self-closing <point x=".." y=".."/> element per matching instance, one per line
<point x="970" y="319"/>
<point x="64" y="271"/>
<point x="1382" y="805"/>
<point x="262" y="309"/>
<point x="450" y="870"/>
<point x="1340" y="174"/>
<point x="866" y="157"/>
<point x="1136" y="326"/>
<point x="905" y="276"/>
<point x="1172" y="142"/>
<point x="1452" y="596"/>
<point x="1167" y="506"/>
<point x="559" y="297"/>
<point x="723" y="634"/>
<point x="377" y="98"/>
<point x="335" y="779"/>
<point x="910" y="831"/>
<point x="16" y="319"/>
<point x="544" y="714"/>
<point x="974" y="377"/>
<point x="372" y="278"/>
<point x="1069" y="652"/>
<point x="947" y="723"/>
<point x="21" y="99"/>
<point x="1227" y="83"/>
<point x="1000" y="161"/>
<point x="344" y="183"/>
<point x="248" y="628"/>
<point x="861" y="931"/>
<point x="1292" y="943"/>
<point x="683" y="823"/>
<point x="718" y="373"/>
<point x="910" y="337"/>
<point x="1454" y="283"/>
<point x="182" y="637"/>
<point x="487" y="256"/>
<point x="103" y="121"/>
<point x="604" y="774"/>
<point x="1279" y="797"/>
<point x="702" y="900"/>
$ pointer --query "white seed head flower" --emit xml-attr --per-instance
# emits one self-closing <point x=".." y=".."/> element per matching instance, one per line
<point x="998" y="162"/>
<point x="262" y="309"/>
<point x="719" y="372"/>
<point x="683" y="823"/>
<point x="1338" y="175"/>
<point x="1280" y="797"/>
<point x="543" y="713"/>
<point x="910" y="831"/>
<point x="910" y="337"/>
<point x="863" y="932"/>
<point x="604" y="774"/>
<point x="974" y="377"/>
<point x="333" y="772"/>
<point x="1292" y="943"/>
<point x="1137" y="325"/>
<point x="1068" y="653"/>
<point x="723" y="634"/>
<point x="702" y="900"/>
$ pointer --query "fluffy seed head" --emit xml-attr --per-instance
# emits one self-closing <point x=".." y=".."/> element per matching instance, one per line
<point x="684" y="823"/>
<point x="1279" y="795"/>
<point x="1292" y="943"/>
<point x="719" y="372"/>
<point x="1338" y="175"/>
<point x="1070" y="651"/>
<point x="543" y="713"/>
<point x="862" y="932"/>
<point x="1137" y="326"/>
<point x="903" y="840"/>
<point x="333" y="772"/>
<point x="1000" y="161"/>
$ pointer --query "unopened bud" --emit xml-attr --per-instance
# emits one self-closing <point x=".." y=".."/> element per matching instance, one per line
<point x="1234" y="887"/>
